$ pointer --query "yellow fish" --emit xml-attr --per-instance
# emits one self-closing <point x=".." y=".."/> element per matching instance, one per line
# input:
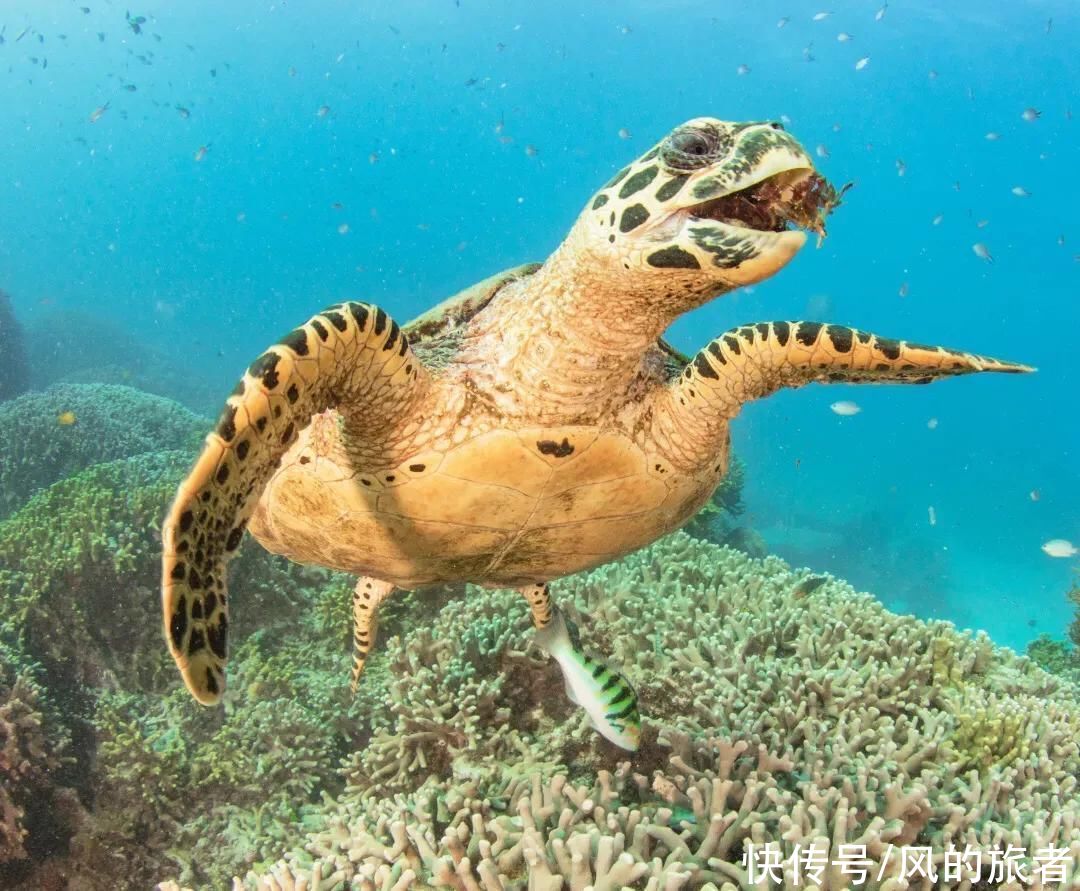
<point x="66" y="418"/>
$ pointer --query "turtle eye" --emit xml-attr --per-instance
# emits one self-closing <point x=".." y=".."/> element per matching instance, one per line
<point x="694" y="148"/>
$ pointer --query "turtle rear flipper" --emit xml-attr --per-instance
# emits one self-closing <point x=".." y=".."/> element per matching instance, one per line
<point x="350" y="353"/>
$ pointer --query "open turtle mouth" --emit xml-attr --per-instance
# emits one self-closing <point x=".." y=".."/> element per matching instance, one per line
<point x="794" y="199"/>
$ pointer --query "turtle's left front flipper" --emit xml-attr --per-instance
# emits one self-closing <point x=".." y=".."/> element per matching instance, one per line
<point x="754" y="361"/>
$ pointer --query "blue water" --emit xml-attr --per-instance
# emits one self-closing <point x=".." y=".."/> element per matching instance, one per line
<point x="210" y="260"/>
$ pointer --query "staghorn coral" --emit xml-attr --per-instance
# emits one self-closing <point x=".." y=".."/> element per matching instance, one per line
<point x="110" y="422"/>
<point x="14" y="369"/>
<point x="777" y="718"/>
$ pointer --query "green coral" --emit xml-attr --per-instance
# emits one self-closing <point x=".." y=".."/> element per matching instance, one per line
<point x="110" y="422"/>
<point x="717" y="520"/>
<point x="988" y="737"/>
<point x="1057" y="656"/>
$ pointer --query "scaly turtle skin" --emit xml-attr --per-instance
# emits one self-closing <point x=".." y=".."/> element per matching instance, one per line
<point x="533" y="426"/>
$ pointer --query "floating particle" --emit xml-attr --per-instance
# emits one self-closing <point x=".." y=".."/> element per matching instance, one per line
<point x="292" y="71"/>
<point x="844" y="37"/>
<point x="845" y="408"/>
<point x="183" y="112"/>
<point x="836" y="128"/>
<point x="1059" y="547"/>
<point x="806" y="54"/>
<point x="901" y="167"/>
<point x="343" y="229"/>
<point x="862" y="63"/>
<point x="1020" y="192"/>
<point x="66" y="419"/>
<point x="936" y="221"/>
<point x="931" y="515"/>
<point x="200" y="152"/>
<point x="880" y="14"/>
<point x="624" y="133"/>
<point x="993" y="136"/>
<point x="932" y="424"/>
<point x="323" y="111"/>
<point x="1031" y="114"/>
<point x="822" y="151"/>
<point x="131" y="88"/>
<point x="821" y="16"/>
<point x="1034" y="495"/>
<point x="783" y="21"/>
<point x="742" y="69"/>
<point x="373" y="158"/>
<point x="903" y="292"/>
<point x="531" y="151"/>
<point x="241" y="217"/>
<point x="982" y="224"/>
<point x="982" y="252"/>
<point x="932" y="74"/>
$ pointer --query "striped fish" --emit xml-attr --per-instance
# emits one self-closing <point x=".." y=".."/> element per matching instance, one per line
<point x="606" y="695"/>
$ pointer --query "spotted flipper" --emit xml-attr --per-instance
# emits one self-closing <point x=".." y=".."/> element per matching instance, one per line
<point x="367" y="596"/>
<point x="754" y="361"/>
<point x="350" y="354"/>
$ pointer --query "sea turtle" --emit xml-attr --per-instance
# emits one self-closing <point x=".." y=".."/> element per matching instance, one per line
<point x="534" y="425"/>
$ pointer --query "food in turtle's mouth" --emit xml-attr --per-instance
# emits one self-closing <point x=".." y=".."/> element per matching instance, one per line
<point x="794" y="199"/>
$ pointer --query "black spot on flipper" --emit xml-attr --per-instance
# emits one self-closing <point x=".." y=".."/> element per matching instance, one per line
<point x="746" y="333"/>
<point x="864" y="336"/>
<point x="633" y="217"/>
<point x="217" y="636"/>
<point x="840" y="337"/>
<point x="226" y="425"/>
<point x="808" y="333"/>
<point x="673" y="258"/>
<point x="233" y="541"/>
<point x="178" y="623"/>
<point x="732" y="343"/>
<point x="380" y="321"/>
<point x="238" y="390"/>
<point x="704" y="368"/>
<point x="320" y="329"/>
<point x="211" y="603"/>
<point x="242" y="449"/>
<point x="197" y="609"/>
<point x="891" y="348"/>
<point x="392" y="337"/>
<point x="197" y="642"/>
<point x="617" y="178"/>
<point x="782" y="330"/>
<point x="287" y="436"/>
<point x="211" y="682"/>
<point x="293" y="394"/>
<point x="763" y="330"/>
<point x="260" y="424"/>
<point x="186" y="519"/>
<point x="265" y="368"/>
<point x="599" y="201"/>
<point x="638" y="181"/>
<point x="718" y="353"/>
<point x="555" y="449"/>
<point x="404" y="347"/>
<point x="296" y="341"/>
<point x="360" y="314"/>
<point x="336" y="319"/>
<point x="177" y="574"/>
<point x="222" y="474"/>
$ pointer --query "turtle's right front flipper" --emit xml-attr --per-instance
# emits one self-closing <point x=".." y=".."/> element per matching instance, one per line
<point x="349" y="353"/>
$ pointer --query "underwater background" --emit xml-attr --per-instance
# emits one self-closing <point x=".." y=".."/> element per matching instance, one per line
<point x="181" y="183"/>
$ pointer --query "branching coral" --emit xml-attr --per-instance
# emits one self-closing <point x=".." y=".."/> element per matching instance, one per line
<point x="778" y="719"/>
<point x="107" y="422"/>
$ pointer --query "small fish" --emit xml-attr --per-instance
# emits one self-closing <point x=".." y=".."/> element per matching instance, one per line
<point x="844" y="37"/>
<point x="1059" y="547"/>
<point x="624" y="133"/>
<point x="606" y="696"/>
<point x="66" y="419"/>
<point x="932" y="424"/>
<point x="96" y="114"/>
<point x="373" y="158"/>
<point x="131" y="88"/>
<point x="903" y="292"/>
<point x="101" y="36"/>
<point x="343" y="229"/>
<point x="936" y="221"/>
<point x="1049" y="25"/>
<point x="806" y="54"/>
<point x="1034" y="495"/>
<point x="880" y="14"/>
<point x="993" y="136"/>
<point x="822" y="151"/>
<point x="931" y="515"/>
<point x="821" y="16"/>
<point x="1031" y="114"/>
<point x="136" y="22"/>
<point x="531" y="151"/>
<point x="200" y="152"/>
<point x="808" y="586"/>
<point x="323" y="111"/>
<point x="183" y="112"/>
<point x="862" y="63"/>
<point x="982" y="252"/>
<point x="901" y="167"/>
<point x="1020" y="192"/>
<point x="845" y="409"/>
<point x="23" y="33"/>
<point x="85" y="9"/>
<point x="742" y="69"/>
<point x="337" y="205"/>
<point x="783" y="21"/>
<point x="982" y="224"/>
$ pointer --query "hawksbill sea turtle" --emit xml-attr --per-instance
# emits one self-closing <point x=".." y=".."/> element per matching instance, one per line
<point x="534" y="425"/>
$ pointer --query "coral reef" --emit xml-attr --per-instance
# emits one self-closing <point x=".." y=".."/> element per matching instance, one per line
<point x="779" y="715"/>
<point x="1062" y="657"/>
<point x="14" y="368"/>
<point x="105" y="422"/>
<point x="717" y="521"/>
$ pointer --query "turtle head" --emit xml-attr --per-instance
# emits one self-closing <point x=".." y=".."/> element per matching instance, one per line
<point x="714" y="206"/>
